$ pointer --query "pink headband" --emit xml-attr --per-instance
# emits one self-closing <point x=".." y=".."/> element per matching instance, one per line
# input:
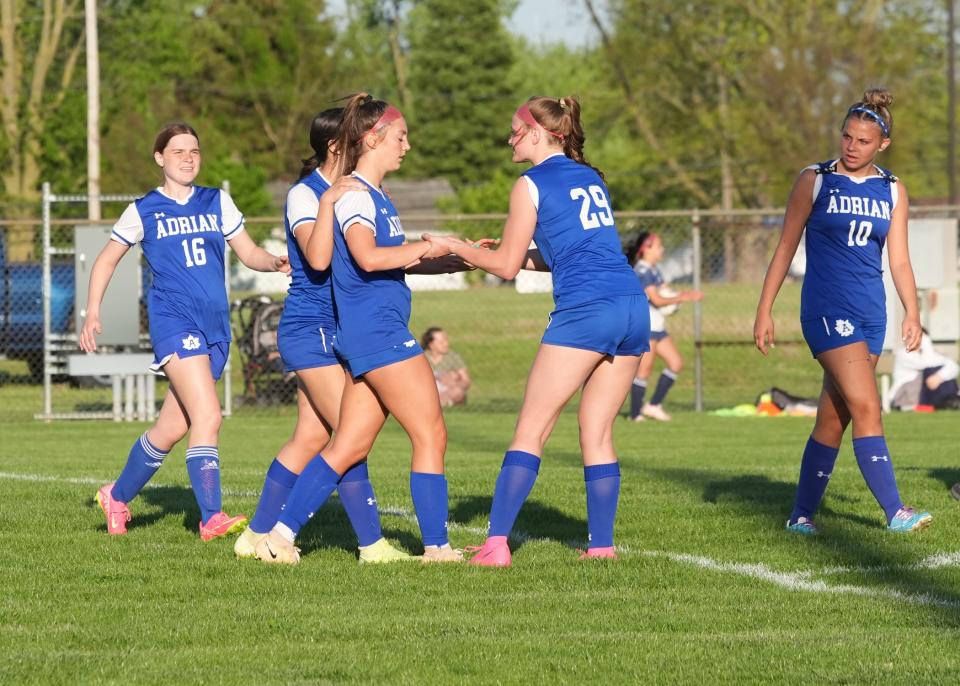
<point x="391" y="114"/>
<point x="524" y="114"/>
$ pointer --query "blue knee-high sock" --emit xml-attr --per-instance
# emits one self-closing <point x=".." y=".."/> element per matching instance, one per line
<point x="356" y="494"/>
<point x="816" y="466"/>
<point x="516" y="479"/>
<point x="311" y="491"/>
<point x="142" y="463"/>
<point x="664" y="384"/>
<point x="602" y="482"/>
<point x="637" y="391"/>
<point x="203" y="466"/>
<point x="873" y="458"/>
<point x="429" y="493"/>
<point x="276" y="489"/>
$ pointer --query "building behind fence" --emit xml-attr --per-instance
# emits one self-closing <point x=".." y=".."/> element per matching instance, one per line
<point x="491" y="324"/>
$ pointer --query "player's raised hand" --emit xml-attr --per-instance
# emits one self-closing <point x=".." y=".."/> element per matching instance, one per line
<point x="91" y="327"/>
<point x="911" y="332"/>
<point x="763" y="332"/>
<point x="341" y="186"/>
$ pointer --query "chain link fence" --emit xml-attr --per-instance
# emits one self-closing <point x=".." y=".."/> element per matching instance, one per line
<point x="494" y="326"/>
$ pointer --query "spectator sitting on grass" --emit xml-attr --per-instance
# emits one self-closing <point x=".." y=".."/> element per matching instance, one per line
<point x="924" y="380"/>
<point x="448" y="367"/>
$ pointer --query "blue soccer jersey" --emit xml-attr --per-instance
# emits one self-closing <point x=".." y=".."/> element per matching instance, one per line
<point x="183" y="243"/>
<point x="649" y="275"/>
<point x="575" y="233"/>
<point x="373" y="308"/>
<point x="310" y="295"/>
<point x="845" y="233"/>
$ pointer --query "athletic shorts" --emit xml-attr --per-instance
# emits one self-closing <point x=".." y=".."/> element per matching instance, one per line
<point x="188" y="344"/>
<point x="358" y="365"/>
<point x="615" y="325"/>
<point x="835" y="331"/>
<point x="306" y="344"/>
<point x="658" y="335"/>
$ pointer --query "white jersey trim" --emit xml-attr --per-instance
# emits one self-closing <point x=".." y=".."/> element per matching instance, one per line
<point x="356" y="207"/>
<point x="230" y="216"/>
<point x="303" y="205"/>
<point x="129" y="227"/>
<point x="534" y="192"/>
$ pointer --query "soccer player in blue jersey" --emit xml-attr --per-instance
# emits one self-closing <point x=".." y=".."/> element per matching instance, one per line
<point x="597" y="331"/>
<point x="387" y="371"/>
<point x="645" y="253"/>
<point x="182" y="230"/>
<point x="849" y="207"/>
<point x="306" y="338"/>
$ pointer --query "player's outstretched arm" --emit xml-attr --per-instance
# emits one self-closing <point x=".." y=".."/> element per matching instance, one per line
<point x="899" y="252"/>
<point x="103" y="268"/>
<point x="512" y="253"/>
<point x="255" y="257"/>
<point x="798" y="211"/>
<point x="373" y="258"/>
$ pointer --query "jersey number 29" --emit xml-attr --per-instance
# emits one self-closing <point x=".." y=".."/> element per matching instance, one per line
<point x="859" y="235"/>
<point x="196" y="248"/>
<point x="589" y="219"/>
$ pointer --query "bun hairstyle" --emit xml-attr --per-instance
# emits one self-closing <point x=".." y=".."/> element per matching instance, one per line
<point x="361" y="113"/>
<point x="323" y="129"/>
<point x="561" y="119"/>
<point x="169" y="131"/>
<point x="643" y="241"/>
<point x="875" y="107"/>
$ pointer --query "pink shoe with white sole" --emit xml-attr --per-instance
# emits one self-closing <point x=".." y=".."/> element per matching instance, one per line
<point x="599" y="553"/>
<point x="493" y="553"/>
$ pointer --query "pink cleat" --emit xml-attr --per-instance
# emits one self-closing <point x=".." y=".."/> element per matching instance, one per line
<point x="599" y="553"/>
<point x="116" y="512"/>
<point x="221" y="524"/>
<point x="493" y="553"/>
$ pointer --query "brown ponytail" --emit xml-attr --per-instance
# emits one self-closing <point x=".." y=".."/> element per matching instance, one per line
<point x="561" y="116"/>
<point x="875" y="107"/>
<point x="359" y="115"/>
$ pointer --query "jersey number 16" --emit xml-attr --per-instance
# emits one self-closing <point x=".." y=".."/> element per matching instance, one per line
<point x="196" y="248"/>
<point x="589" y="219"/>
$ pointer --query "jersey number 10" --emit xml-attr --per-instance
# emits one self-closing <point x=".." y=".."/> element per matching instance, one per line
<point x="859" y="236"/>
<point x="198" y="253"/>
<point x="589" y="219"/>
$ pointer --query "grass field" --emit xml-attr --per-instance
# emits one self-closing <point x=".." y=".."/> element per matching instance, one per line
<point x="708" y="586"/>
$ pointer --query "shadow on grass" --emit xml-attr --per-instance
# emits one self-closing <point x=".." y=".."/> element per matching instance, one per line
<point x="536" y="520"/>
<point x="948" y="476"/>
<point x="758" y="494"/>
<point x="330" y="528"/>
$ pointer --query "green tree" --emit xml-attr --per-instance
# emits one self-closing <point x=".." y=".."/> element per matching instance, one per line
<point x="460" y="58"/>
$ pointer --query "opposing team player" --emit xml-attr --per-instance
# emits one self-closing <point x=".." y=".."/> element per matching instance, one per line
<point x="306" y="336"/>
<point x="182" y="230"/>
<point x="850" y="207"/>
<point x="597" y="331"/>
<point x="386" y="369"/>
<point x="645" y="253"/>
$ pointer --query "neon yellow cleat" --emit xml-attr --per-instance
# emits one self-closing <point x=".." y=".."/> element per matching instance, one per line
<point x="246" y="543"/>
<point x="381" y="552"/>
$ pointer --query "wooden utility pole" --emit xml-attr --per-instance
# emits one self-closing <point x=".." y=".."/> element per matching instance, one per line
<point x="93" y="110"/>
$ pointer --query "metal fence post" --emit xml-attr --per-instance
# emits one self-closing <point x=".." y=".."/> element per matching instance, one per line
<point x="46" y="287"/>
<point x="697" y="312"/>
<point x="227" y="381"/>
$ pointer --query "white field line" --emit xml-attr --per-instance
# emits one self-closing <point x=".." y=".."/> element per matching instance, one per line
<point x="802" y="581"/>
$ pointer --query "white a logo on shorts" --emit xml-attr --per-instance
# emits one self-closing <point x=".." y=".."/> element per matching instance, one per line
<point x="844" y="327"/>
<point x="191" y="342"/>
